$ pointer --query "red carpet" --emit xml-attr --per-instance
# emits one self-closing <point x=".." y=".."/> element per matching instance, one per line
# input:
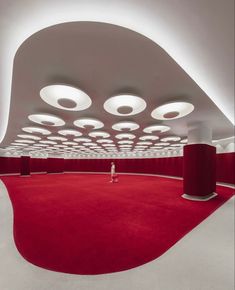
<point x="82" y="224"/>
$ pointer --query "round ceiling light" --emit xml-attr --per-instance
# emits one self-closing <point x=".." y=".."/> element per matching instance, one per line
<point x="88" y="123"/>
<point x="104" y="141"/>
<point x="149" y="137"/>
<point x="41" y="145"/>
<point x="65" y="97"/>
<point x="158" y="128"/>
<point x="90" y="144"/>
<point x="124" y="105"/>
<point x="46" y="119"/>
<point x="125" y="142"/>
<point x="177" y="145"/>
<point x="96" y="134"/>
<point x="109" y="145"/>
<point x="184" y="141"/>
<point x="25" y="141"/>
<point x="162" y="144"/>
<point x="170" y="138"/>
<point x="125" y="146"/>
<point x="172" y="111"/>
<point x="69" y="143"/>
<point x="36" y="130"/>
<point x="19" y="144"/>
<point x="125" y="136"/>
<point x="48" y="142"/>
<point x="29" y="137"/>
<point x="125" y="125"/>
<point x="57" y="138"/>
<point x="144" y="143"/>
<point x="70" y="132"/>
<point x="82" y="140"/>
<point x="60" y="146"/>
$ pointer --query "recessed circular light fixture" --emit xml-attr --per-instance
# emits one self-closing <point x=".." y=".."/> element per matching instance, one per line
<point x="125" y="125"/>
<point x="158" y="128"/>
<point x="170" y="138"/>
<point x="184" y="141"/>
<point x="65" y="97"/>
<point x="90" y="144"/>
<point x="82" y="140"/>
<point x="57" y="138"/>
<point x="172" y="111"/>
<point x="125" y="146"/>
<point x="69" y="143"/>
<point x="104" y="141"/>
<point x="156" y="147"/>
<point x="25" y="141"/>
<point x="144" y="143"/>
<point x="125" y="142"/>
<point x="40" y="145"/>
<point x="169" y="148"/>
<point x="162" y="144"/>
<point x="36" y="130"/>
<point x="60" y="146"/>
<point x="96" y="134"/>
<point x="177" y="145"/>
<point x="46" y="119"/>
<point x="48" y="142"/>
<point x="19" y="144"/>
<point x="88" y="123"/>
<point x="125" y="136"/>
<point x="25" y="136"/>
<point x="149" y="137"/>
<point x="124" y="105"/>
<point x="69" y="132"/>
<point x="109" y="145"/>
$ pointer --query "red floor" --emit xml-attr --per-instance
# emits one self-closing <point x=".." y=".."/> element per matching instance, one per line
<point x="82" y="224"/>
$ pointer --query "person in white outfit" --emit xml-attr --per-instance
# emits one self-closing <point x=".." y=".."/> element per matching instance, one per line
<point x="112" y="171"/>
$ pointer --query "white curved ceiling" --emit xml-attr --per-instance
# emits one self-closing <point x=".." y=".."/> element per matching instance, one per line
<point x="103" y="60"/>
<point x="197" y="34"/>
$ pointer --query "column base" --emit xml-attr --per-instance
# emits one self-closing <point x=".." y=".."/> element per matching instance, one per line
<point x="198" y="197"/>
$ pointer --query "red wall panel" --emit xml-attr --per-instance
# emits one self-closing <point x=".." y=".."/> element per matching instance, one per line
<point x="38" y="165"/>
<point x="25" y="165"/>
<point x="55" y="165"/>
<point x="166" y="166"/>
<point x="225" y="166"/>
<point x="10" y="165"/>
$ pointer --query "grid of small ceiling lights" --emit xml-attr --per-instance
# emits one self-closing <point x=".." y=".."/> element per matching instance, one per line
<point x="96" y="142"/>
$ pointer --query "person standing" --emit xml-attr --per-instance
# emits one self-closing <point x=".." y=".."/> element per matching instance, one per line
<point x="112" y="171"/>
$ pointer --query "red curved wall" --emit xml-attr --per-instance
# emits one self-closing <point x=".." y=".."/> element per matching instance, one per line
<point x="225" y="164"/>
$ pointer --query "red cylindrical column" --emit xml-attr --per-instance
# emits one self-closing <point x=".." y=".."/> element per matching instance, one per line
<point x="25" y="166"/>
<point x="199" y="170"/>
